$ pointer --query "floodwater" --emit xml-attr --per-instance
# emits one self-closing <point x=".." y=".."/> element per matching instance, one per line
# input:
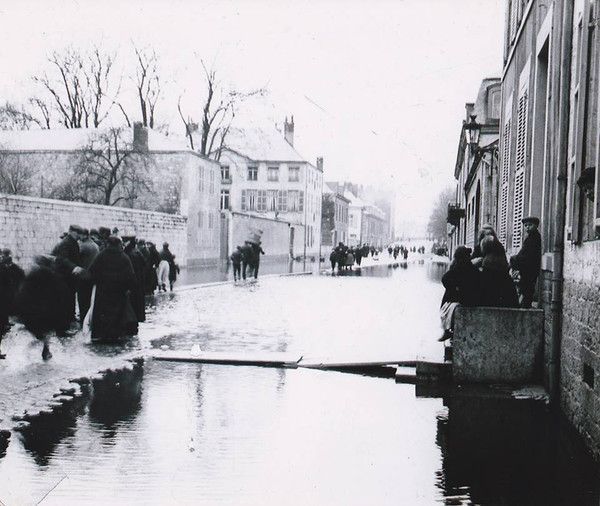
<point x="173" y="433"/>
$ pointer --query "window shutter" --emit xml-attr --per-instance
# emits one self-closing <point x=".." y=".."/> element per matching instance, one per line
<point x="504" y="181"/>
<point x="244" y="203"/>
<point x="301" y="201"/>
<point x="262" y="201"/>
<point x="519" y="189"/>
<point x="583" y="65"/>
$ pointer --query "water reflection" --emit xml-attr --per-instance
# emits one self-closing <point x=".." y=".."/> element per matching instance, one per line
<point x="502" y="451"/>
<point x="116" y="399"/>
<point x="46" y="431"/>
<point x="435" y="271"/>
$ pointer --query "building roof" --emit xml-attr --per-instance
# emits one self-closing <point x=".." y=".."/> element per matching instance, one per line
<point x="261" y="144"/>
<point x="330" y="189"/>
<point x="74" y="139"/>
<point x="354" y="200"/>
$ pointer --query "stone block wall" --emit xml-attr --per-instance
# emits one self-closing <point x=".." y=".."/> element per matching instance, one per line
<point x="580" y="345"/>
<point x="497" y="345"/>
<point x="31" y="226"/>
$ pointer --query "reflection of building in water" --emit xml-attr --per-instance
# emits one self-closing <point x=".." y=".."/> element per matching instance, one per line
<point x="503" y="451"/>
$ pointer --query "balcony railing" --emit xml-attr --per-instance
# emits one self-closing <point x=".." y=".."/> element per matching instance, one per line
<point x="455" y="213"/>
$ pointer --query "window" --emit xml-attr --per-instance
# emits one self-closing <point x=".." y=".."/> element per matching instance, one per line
<point x="212" y="182"/>
<point x="271" y="200"/>
<point x="261" y="206"/>
<point x="252" y="173"/>
<point x="249" y="200"/>
<point x="201" y="180"/>
<point x="224" y="172"/>
<point x="224" y="199"/>
<point x="519" y="188"/>
<point x="273" y="174"/>
<point x="211" y="220"/>
<point x="282" y="201"/>
<point x="295" y="200"/>
<point x="294" y="174"/>
<point x="200" y="219"/>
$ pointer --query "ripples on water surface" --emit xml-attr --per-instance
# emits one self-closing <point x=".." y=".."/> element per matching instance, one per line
<point x="170" y="433"/>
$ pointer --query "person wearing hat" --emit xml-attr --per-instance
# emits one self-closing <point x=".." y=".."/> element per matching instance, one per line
<point x="528" y="261"/>
<point x="137" y="294"/>
<point x="112" y="315"/>
<point x="88" y="251"/>
<point x="104" y="233"/>
<point x="68" y="264"/>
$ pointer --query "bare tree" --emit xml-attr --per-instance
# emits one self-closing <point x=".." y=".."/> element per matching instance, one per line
<point x="16" y="175"/>
<point x="111" y="170"/>
<point x="82" y="87"/>
<point x="437" y="228"/>
<point x="15" y="117"/>
<point x="148" y="85"/>
<point x="218" y="114"/>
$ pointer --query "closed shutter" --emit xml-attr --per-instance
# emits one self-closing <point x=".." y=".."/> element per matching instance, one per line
<point x="519" y="189"/>
<point x="244" y="201"/>
<point x="504" y="181"/>
<point x="301" y="206"/>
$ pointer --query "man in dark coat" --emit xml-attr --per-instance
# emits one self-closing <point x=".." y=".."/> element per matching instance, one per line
<point x="42" y="301"/>
<point x="152" y="265"/>
<point x="528" y="260"/>
<point x="88" y="251"/>
<point x="113" y="316"/>
<point x="257" y="251"/>
<point x="68" y="263"/>
<point x="139" y="268"/>
<point x="236" y="261"/>
<point x="247" y="259"/>
<point x="4" y="303"/>
<point x="15" y="277"/>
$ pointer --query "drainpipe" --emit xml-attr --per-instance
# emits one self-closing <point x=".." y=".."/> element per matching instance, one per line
<point x="564" y="69"/>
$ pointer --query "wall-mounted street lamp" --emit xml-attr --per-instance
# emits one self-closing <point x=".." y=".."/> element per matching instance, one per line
<point x="472" y="131"/>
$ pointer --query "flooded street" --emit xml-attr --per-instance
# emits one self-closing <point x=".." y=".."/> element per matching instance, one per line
<point x="171" y="433"/>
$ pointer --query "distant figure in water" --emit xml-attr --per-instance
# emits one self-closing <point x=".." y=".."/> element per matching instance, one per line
<point x="42" y="301"/>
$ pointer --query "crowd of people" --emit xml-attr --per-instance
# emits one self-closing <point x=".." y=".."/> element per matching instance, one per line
<point x="103" y="275"/>
<point x="344" y="257"/>
<point x="485" y="277"/>
<point x="246" y="260"/>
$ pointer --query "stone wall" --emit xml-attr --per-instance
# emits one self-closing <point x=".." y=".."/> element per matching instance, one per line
<point x="497" y="345"/>
<point x="32" y="226"/>
<point x="580" y="346"/>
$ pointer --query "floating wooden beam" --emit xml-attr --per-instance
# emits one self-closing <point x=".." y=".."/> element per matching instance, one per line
<point x="266" y="359"/>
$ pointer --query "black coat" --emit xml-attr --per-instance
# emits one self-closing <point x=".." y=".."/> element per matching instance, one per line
<point x="41" y="301"/>
<point x="15" y="276"/>
<point x="138" y="293"/>
<point x="497" y="288"/>
<point x="462" y="283"/>
<point x="67" y="257"/>
<point x="528" y="260"/>
<point x="113" y="315"/>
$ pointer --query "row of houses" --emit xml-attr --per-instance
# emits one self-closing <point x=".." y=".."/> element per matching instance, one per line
<point x="529" y="145"/>
<point x="260" y="182"/>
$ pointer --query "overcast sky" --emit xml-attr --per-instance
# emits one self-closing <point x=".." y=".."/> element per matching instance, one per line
<point x="376" y="87"/>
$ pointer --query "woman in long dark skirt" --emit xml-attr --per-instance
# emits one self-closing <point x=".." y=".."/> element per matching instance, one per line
<point x="113" y="316"/>
<point x="41" y="302"/>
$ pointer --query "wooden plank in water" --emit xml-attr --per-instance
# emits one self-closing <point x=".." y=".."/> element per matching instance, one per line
<point x="356" y="365"/>
<point x="264" y="359"/>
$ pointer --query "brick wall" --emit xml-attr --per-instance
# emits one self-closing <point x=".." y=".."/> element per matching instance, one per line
<point x="580" y="347"/>
<point x="32" y="226"/>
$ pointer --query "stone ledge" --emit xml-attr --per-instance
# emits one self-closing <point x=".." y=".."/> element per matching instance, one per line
<point x="497" y="345"/>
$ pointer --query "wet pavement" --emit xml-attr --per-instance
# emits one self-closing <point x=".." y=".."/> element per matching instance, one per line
<point x="170" y="433"/>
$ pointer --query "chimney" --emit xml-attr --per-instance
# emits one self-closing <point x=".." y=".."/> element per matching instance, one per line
<point x="140" y="137"/>
<point x="320" y="163"/>
<point x="470" y="109"/>
<point x="288" y="131"/>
